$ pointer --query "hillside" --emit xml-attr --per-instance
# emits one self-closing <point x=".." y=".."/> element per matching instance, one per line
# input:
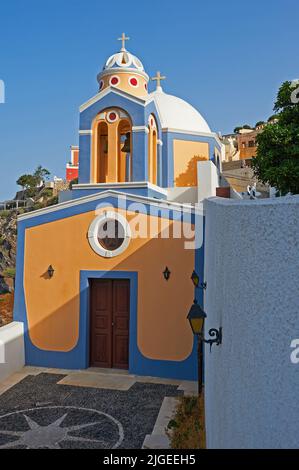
<point x="44" y="197"/>
<point x="8" y="240"/>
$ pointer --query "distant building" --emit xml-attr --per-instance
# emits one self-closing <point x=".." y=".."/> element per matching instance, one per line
<point x="247" y="144"/>
<point x="72" y="168"/>
<point x="242" y="145"/>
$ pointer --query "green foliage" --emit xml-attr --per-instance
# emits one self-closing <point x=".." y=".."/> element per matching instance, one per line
<point x="4" y="214"/>
<point x="52" y="201"/>
<point x="273" y="118"/>
<point x="74" y="181"/>
<point x="277" y="160"/>
<point x="46" y="192"/>
<point x="41" y="174"/>
<point x="30" y="183"/>
<point x="26" y="181"/>
<point x="239" y="128"/>
<point x="9" y="272"/>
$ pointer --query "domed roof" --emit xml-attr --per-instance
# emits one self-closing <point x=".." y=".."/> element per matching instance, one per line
<point x="176" y="113"/>
<point x="124" y="60"/>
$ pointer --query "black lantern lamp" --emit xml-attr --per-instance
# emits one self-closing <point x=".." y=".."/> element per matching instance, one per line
<point x="196" y="317"/>
<point x="195" y="280"/>
<point x="166" y="274"/>
<point x="51" y="271"/>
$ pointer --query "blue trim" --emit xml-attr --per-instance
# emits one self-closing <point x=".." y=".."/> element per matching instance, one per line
<point x="145" y="192"/>
<point x="146" y="207"/>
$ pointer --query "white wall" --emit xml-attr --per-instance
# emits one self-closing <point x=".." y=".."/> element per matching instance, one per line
<point x="12" y="356"/>
<point x="208" y="179"/>
<point x="252" y="274"/>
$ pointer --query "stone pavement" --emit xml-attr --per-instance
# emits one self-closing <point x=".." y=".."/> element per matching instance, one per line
<point x="96" y="408"/>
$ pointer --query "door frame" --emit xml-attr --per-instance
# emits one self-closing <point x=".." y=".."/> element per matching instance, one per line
<point x="84" y="323"/>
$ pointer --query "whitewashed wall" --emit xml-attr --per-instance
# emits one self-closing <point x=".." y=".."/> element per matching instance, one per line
<point x="12" y="357"/>
<point x="252" y="274"/>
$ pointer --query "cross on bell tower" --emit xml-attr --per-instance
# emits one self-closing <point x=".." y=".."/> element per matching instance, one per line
<point x="158" y="79"/>
<point x="123" y="40"/>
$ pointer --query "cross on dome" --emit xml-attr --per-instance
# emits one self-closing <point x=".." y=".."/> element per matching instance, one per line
<point x="123" y="40"/>
<point x="158" y="78"/>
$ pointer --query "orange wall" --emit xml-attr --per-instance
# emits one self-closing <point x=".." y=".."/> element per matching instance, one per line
<point x="186" y="154"/>
<point x="53" y="304"/>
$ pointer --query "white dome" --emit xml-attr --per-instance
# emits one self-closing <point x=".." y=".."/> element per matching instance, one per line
<point x="124" y="60"/>
<point x="176" y="113"/>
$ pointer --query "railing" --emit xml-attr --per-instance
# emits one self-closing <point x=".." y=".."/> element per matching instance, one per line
<point x="13" y="205"/>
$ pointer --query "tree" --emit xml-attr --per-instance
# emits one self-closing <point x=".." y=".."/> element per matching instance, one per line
<point x="259" y="123"/>
<point x="26" y="181"/>
<point x="41" y="174"/>
<point x="277" y="160"/>
<point x="31" y="183"/>
<point x="239" y="128"/>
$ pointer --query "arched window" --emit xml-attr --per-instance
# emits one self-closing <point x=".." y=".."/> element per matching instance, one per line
<point x="124" y="150"/>
<point x="111" y="147"/>
<point x="152" y="151"/>
<point x="102" y="150"/>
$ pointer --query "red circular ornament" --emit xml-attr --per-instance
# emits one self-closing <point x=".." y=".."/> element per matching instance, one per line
<point x="133" y="81"/>
<point x="112" y="116"/>
<point x="114" y="81"/>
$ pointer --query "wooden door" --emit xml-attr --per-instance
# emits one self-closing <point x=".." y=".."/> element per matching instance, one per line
<point x="109" y="323"/>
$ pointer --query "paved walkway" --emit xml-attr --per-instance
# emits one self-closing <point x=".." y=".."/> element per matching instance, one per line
<point x="96" y="408"/>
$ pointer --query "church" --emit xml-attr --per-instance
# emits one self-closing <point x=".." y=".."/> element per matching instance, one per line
<point x="104" y="277"/>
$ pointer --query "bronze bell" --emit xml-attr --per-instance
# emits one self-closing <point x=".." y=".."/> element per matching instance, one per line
<point x="127" y="144"/>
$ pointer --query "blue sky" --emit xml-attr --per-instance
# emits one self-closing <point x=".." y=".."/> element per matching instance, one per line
<point x="227" y="58"/>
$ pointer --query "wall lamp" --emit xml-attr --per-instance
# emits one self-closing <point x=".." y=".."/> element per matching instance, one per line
<point x="166" y="274"/>
<point x="196" y="317"/>
<point x="195" y="280"/>
<point x="50" y="271"/>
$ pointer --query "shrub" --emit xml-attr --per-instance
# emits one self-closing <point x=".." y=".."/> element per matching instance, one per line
<point x="186" y="430"/>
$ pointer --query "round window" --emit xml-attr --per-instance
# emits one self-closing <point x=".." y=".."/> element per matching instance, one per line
<point x="109" y="234"/>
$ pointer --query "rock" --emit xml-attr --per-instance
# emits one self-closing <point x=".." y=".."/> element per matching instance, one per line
<point x="8" y="242"/>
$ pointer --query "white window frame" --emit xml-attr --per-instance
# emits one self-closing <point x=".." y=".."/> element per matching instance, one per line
<point x="94" y="229"/>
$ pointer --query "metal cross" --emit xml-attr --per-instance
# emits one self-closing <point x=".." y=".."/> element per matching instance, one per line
<point x="158" y="78"/>
<point x="123" y="40"/>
